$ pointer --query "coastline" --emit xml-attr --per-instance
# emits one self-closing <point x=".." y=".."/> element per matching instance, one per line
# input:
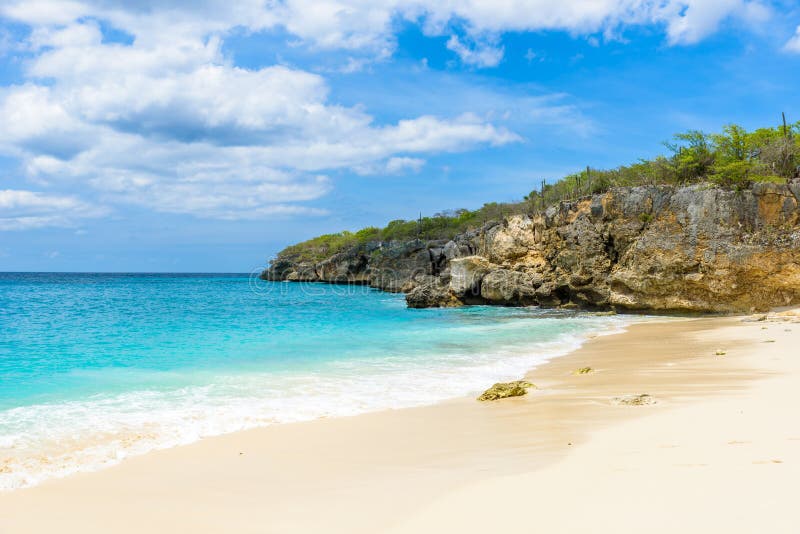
<point x="470" y="349"/>
<point x="412" y="469"/>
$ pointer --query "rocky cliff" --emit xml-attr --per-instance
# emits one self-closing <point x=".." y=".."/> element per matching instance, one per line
<point x="697" y="248"/>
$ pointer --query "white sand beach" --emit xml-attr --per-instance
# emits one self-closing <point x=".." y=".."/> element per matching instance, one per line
<point x="717" y="451"/>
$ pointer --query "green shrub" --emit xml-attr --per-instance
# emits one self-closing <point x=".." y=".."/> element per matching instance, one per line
<point x="734" y="158"/>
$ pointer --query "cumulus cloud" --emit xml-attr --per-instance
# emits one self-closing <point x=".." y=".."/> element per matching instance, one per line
<point x="356" y="24"/>
<point x="371" y="25"/>
<point x="241" y="140"/>
<point x="25" y="210"/>
<point x="164" y="119"/>
<point x="175" y="127"/>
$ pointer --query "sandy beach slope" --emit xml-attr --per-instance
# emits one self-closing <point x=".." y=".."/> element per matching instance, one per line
<point x="718" y="451"/>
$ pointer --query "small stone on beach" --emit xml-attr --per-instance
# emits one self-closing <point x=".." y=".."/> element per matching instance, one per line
<point x="635" y="400"/>
<point x="502" y="390"/>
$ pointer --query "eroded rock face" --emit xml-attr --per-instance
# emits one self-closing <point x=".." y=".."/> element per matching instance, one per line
<point x="431" y="294"/>
<point x="466" y="275"/>
<point x="694" y="248"/>
<point x="511" y="241"/>
<point x="502" y="286"/>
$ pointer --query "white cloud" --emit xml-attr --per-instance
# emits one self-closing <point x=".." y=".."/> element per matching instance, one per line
<point x="359" y="24"/>
<point x="167" y="121"/>
<point x="216" y="146"/>
<point x="175" y="127"/>
<point x="25" y="210"/>
<point x="689" y="21"/>
<point x="793" y="44"/>
<point x="480" y="54"/>
<point x="44" y="11"/>
<point x="371" y="24"/>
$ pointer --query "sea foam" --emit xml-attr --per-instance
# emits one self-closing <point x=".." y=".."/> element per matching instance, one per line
<point x="131" y="388"/>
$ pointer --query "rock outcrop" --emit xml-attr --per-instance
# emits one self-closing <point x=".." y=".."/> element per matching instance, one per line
<point x="661" y="248"/>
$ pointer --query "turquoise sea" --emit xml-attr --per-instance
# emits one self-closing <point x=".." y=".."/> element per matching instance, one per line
<point x="98" y="367"/>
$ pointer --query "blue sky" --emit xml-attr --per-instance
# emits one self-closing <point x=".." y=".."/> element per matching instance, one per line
<point x="205" y="136"/>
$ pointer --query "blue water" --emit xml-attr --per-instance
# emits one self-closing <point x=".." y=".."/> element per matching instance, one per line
<point x="97" y="367"/>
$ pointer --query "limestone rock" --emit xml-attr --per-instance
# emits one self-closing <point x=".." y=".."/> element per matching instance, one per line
<point x="511" y="240"/>
<point x="696" y="248"/>
<point x="503" y="286"/>
<point x="466" y="275"/>
<point x="431" y="295"/>
<point x="502" y="390"/>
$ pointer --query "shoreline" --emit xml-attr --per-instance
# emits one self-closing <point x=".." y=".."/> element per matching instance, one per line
<point x="387" y="470"/>
<point x="97" y="452"/>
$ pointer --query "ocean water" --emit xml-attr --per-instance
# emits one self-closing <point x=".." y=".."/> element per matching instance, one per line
<point x="98" y="367"/>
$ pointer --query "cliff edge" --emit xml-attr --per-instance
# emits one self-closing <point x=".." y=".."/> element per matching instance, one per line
<point x="659" y="248"/>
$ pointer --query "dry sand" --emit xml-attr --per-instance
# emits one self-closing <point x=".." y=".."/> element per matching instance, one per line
<point x="719" y="451"/>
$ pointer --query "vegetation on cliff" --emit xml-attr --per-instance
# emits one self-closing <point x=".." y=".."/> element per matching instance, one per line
<point x="733" y="159"/>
